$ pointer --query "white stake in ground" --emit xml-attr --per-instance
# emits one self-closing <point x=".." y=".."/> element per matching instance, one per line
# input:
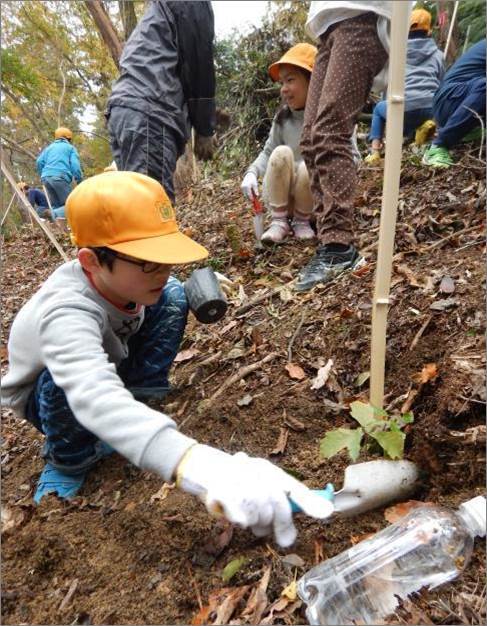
<point x="390" y="194"/>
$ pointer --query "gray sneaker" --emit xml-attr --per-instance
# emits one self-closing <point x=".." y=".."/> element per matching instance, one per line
<point x="326" y="264"/>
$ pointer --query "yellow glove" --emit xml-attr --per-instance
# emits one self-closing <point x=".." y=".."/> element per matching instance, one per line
<point x="373" y="158"/>
<point x="425" y="132"/>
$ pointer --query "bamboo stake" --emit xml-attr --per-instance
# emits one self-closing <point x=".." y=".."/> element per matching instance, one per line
<point x="8" y="209"/>
<point x="450" y="30"/>
<point x="20" y="196"/>
<point x="390" y="194"/>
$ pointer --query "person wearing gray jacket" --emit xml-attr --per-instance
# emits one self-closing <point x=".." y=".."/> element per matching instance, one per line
<point x="425" y="66"/>
<point x="166" y="86"/>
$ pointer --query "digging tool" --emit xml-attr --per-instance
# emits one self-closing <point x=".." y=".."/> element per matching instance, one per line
<point x="258" y="211"/>
<point x="369" y="486"/>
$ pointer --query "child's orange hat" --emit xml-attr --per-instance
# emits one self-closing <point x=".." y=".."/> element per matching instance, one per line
<point x="130" y="213"/>
<point x="302" y="55"/>
<point x="420" y="20"/>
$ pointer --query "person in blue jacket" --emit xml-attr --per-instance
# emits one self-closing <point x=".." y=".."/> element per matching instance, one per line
<point x="458" y="104"/>
<point x="425" y="67"/>
<point x="58" y="165"/>
<point x="37" y="199"/>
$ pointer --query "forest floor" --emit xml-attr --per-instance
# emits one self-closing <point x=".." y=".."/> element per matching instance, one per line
<point x="132" y="551"/>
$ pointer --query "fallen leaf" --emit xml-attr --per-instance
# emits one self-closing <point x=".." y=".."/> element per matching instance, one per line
<point x="11" y="518"/>
<point x="3" y="354"/>
<point x="443" y="305"/>
<point x="232" y="568"/>
<point x="319" y="553"/>
<point x="362" y="378"/>
<point x="186" y="355"/>
<point x="222" y="603"/>
<point x="228" y="327"/>
<point x="293" y="559"/>
<point x="447" y="285"/>
<point x="130" y="506"/>
<point x="409" y="274"/>
<point x="229" y="604"/>
<point x="358" y="538"/>
<point x="245" y="400"/>
<point x="291" y="591"/>
<point x="163" y="492"/>
<point x="258" y="601"/>
<point x="286" y="295"/>
<point x="429" y="372"/>
<point x="295" y="371"/>
<point x="394" y="513"/>
<point x="322" y="375"/>
<point x="294" y="423"/>
<point x="361" y="271"/>
<point x="281" y="444"/>
<point x="221" y="536"/>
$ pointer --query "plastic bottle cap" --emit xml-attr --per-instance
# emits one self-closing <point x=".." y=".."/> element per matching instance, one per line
<point x="475" y="510"/>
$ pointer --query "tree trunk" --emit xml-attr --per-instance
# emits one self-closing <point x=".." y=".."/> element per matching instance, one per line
<point x="106" y="29"/>
<point x="129" y="19"/>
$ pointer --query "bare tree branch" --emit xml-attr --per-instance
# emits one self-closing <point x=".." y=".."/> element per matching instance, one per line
<point x="105" y="29"/>
<point x="129" y="19"/>
<point x="18" y="147"/>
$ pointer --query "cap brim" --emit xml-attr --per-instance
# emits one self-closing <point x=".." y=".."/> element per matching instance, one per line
<point x="274" y="68"/>
<point x="173" y="249"/>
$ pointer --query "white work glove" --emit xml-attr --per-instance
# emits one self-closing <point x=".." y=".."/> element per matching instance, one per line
<point x="249" y="492"/>
<point x="249" y="185"/>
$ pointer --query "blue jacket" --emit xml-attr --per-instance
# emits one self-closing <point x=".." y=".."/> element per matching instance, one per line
<point x="425" y="67"/>
<point x="61" y="159"/>
<point x="470" y="66"/>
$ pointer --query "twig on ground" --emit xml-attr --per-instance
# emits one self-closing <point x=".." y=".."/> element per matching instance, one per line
<point x="238" y="376"/>
<point x="195" y="586"/>
<point x="67" y="598"/>
<point x="418" y="335"/>
<point x="482" y="127"/>
<point x="440" y="242"/>
<point x="294" y="336"/>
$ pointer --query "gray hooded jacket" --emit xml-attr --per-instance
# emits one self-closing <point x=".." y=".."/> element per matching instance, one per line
<point x="425" y="67"/>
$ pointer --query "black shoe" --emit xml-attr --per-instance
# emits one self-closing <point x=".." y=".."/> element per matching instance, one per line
<point x="326" y="264"/>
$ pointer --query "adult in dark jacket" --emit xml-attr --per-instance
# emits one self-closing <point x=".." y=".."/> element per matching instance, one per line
<point x="37" y="199"/>
<point x="457" y="104"/>
<point x="166" y="86"/>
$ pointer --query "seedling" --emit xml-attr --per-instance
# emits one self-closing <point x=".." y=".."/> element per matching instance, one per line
<point x="375" y="425"/>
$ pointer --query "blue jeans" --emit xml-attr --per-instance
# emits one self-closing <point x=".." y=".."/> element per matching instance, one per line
<point x="59" y="212"/>
<point x="412" y="119"/>
<point x="452" y="116"/>
<point x="58" y="189"/>
<point x="69" y="446"/>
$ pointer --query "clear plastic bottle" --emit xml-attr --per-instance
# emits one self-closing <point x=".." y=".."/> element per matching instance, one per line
<point x="429" y="546"/>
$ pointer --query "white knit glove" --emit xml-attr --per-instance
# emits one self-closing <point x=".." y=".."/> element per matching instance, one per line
<point x="249" y="492"/>
<point x="250" y="185"/>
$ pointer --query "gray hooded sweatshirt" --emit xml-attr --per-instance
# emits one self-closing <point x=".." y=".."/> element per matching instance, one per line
<point x="425" y="67"/>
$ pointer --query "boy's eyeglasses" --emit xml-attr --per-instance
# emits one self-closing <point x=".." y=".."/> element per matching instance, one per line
<point x="148" y="267"/>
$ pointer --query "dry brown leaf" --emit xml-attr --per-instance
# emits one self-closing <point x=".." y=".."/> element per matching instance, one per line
<point x="290" y="591"/>
<point x="394" y="513"/>
<point x="3" y="353"/>
<point x="358" y="538"/>
<point x="11" y="518"/>
<point x="322" y="375"/>
<point x="319" y="554"/>
<point x="429" y="372"/>
<point x="295" y="371"/>
<point x="227" y="599"/>
<point x="258" y="601"/>
<point x="229" y="604"/>
<point x="281" y="444"/>
<point x="228" y="327"/>
<point x="220" y="537"/>
<point x="186" y="355"/>
<point x="163" y="492"/>
<point x="294" y="423"/>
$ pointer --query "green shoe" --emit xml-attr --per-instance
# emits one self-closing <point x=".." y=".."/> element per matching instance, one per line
<point x="437" y="156"/>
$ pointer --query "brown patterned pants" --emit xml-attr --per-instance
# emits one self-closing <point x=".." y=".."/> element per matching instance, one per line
<point x="350" y="55"/>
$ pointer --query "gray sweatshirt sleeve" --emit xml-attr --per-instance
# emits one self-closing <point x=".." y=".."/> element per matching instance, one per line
<point x="259" y="166"/>
<point x="71" y="340"/>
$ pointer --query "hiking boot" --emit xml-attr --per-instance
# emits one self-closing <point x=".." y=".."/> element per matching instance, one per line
<point x="328" y="262"/>
<point x="437" y="156"/>
<point x="277" y="232"/>
<point x="302" y="229"/>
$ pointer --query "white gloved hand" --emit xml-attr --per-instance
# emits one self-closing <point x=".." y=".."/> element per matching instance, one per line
<point x="226" y="285"/>
<point x="248" y="491"/>
<point x="250" y="185"/>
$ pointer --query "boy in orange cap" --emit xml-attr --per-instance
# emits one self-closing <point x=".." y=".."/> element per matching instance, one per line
<point x="100" y="334"/>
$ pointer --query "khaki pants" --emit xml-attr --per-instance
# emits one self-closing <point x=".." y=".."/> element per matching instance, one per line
<point x="286" y="185"/>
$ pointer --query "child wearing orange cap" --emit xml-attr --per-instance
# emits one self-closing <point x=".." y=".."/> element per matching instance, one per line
<point x="425" y="66"/>
<point x="101" y="334"/>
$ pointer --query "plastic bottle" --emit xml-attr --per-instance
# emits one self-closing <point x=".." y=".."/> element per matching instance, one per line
<point x="429" y="546"/>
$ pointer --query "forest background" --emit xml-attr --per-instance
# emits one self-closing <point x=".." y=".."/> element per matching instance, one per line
<point x="59" y="59"/>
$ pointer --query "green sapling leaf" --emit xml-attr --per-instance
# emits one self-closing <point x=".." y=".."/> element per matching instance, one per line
<point x="340" y="438"/>
<point x="363" y="413"/>
<point x="391" y="442"/>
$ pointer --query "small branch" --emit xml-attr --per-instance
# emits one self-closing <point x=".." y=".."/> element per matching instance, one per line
<point x="420" y="332"/>
<point x="293" y="338"/>
<point x="482" y="127"/>
<point x="18" y="147"/>
<point x="440" y="242"/>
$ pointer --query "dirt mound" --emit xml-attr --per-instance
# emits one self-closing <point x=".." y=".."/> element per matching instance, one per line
<point x="128" y="552"/>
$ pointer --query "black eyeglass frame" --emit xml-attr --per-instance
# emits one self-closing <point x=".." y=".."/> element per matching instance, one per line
<point x="144" y="265"/>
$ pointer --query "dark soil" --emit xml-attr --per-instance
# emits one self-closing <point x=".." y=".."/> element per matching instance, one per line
<point x="129" y="555"/>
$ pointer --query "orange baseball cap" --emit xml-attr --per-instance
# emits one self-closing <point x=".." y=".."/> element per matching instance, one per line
<point x="420" y="20"/>
<point x="130" y="213"/>
<point x="301" y="55"/>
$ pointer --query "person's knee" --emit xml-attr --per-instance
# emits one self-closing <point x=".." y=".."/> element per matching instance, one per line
<point x="281" y="159"/>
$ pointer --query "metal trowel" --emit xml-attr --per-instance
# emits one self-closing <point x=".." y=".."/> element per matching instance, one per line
<point x="370" y="485"/>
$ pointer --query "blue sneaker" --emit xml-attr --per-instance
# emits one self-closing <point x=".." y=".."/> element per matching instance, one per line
<point x="52" y="480"/>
